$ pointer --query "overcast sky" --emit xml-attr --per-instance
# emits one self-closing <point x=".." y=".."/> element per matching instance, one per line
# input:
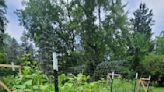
<point x="15" y="30"/>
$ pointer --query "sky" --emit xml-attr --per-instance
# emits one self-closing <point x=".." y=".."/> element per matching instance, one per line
<point x="15" y="30"/>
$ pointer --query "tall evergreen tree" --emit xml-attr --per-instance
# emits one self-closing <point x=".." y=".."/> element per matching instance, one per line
<point x="117" y="30"/>
<point x="142" y="32"/>
<point x="143" y="21"/>
<point x="27" y="49"/>
<point x="2" y="19"/>
<point x="13" y="51"/>
<point x="2" y="28"/>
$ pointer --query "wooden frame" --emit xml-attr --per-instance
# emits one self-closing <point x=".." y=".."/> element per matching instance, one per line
<point x="110" y="78"/>
<point x="13" y="68"/>
<point x="144" y="82"/>
<point x="4" y="86"/>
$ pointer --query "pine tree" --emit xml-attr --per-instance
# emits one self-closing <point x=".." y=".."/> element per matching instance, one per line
<point x="2" y="28"/>
<point x="116" y="30"/>
<point x="142" y="32"/>
<point x="13" y="51"/>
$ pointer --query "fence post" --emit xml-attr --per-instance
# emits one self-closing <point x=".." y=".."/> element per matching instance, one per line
<point x="148" y="84"/>
<point x="111" y="88"/>
<point x="55" y="67"/>
<point x="135" y="82"/>
<point x="13" y="68"/>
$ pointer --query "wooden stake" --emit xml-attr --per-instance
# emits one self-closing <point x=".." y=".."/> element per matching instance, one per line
<point x="110" y="77"/>
<point x="12" y="64"/>
<point x="142" y="82"/>
<point x="135" y="82"/>
<point x="4" y="86"/>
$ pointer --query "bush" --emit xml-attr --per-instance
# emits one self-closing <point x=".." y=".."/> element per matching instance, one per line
<point x="102" y="70"/>
<point x="117" y="66"/>
<point x="32" y="80"/>
<point x="69" y="63"/>
<point x="2" y="58"/>
<point x="154" y="66"/>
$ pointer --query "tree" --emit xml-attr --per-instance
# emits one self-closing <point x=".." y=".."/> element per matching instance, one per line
<point x="100" y="37"/>
<point x="47" y="27"/>
<point x="2" y="28"/>
<point x="141" y="43"/>
<point x="91" y="37"/>
<point x="13" y="51"/>
<point x="143" y="21"/>
<point x="117" y="33"/>
<point x="154" y="66"/>
<point x="61" y="25"/>
<point x="24" y="40"/>
<point x="160" y="44"/>
<point x="2" y="19"/>
<point x="11" y="54"/>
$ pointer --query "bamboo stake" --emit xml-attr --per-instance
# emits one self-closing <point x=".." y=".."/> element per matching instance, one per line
<point x="4" y="86"/>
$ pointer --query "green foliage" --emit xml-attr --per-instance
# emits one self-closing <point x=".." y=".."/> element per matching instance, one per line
<point x="2" y="24"/>
<point x="143" y="21"/>
<point x="2" y="30"/>
<point x="117" y="66"/>
<point x="71" y="63"/>
<point x="94" y="37"/>
<point x="140" y="41"/>
<point x="12" y="50"/>
<point x="31" y="80"/>
<point x="47" y="26"/>
<point x="34" y="81"/>
<point x="2" y="58"/>
<point x="160" y="45"/>
<point x="102" y="70"/>
<point x="154" y="66"/>
<point x="68" y="27"/>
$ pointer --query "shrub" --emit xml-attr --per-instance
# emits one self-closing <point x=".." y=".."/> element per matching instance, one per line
<point x="32" y="80"/>
<point x="117" y="66"/>
<point x="154" y="66"/>
<point x="2" y="58"/>
<point x="102" y="70"/>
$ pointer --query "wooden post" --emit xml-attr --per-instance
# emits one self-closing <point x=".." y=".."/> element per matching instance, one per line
<point x="5" y="87"/>
<point x="110" y="77"/>
<point x="13" y="68"/>
<point x="55" y="67"/>
<point x="135" y="82"/>
<point x="12" y="64"/>
<point x="20" y="73"/>
<point x="111" y="88"/>
<point x="148" y="83"/>
<point x="145" y="83"/>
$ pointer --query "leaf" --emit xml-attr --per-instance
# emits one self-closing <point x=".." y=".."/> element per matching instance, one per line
<point x="29" y="83"/>
<point x="20" y="86"/>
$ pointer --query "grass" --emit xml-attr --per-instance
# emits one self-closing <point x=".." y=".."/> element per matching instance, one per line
<point x="156" y="89"/>
<point x="128" y="86"/>
<point x="119" y="85"/>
